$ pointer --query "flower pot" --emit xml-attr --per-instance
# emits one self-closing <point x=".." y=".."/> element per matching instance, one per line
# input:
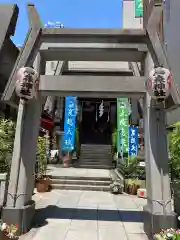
<point x="66" y="161"/>
<point x="134" y="189"/>
<point x="42" y="185"/>
<point x="125" y="187"/>
<point x="129" y="188"/>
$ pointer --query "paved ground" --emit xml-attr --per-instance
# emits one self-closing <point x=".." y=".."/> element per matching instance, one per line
<point x="57" y="170"/>
<point x="83" y="215"/>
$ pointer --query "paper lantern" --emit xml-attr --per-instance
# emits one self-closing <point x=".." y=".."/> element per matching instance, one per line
<point x="159" y="83"/>
<point x="26" y="83"/>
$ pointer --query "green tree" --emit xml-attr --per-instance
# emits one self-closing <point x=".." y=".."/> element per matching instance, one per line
<point x="7" y="133"/>
<point x="174" y="148"/>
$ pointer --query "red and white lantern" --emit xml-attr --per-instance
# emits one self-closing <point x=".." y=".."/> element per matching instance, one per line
<point x="27" y="83"/>
<point x="159" y="83"/>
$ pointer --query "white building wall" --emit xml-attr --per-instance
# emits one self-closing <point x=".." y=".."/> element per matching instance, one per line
<point x="129" y="20"/>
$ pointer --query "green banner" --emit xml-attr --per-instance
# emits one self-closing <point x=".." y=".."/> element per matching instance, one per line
<point x="122" y="124"/>
<point x="138" y="8"/>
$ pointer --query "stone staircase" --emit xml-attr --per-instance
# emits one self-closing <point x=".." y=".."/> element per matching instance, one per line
<point x="95" y="156"/>
<point x="81" y="183"/>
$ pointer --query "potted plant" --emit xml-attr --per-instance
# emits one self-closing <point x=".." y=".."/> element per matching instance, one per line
<point x="42" y="179"/>
<point x="66" y="159"/>
<point x="134" y="175"/>
<point x="8" y="231"/>
<point x="134" y="188"/>
<point x="116" y="187"/>
<point x="169" y="234"/>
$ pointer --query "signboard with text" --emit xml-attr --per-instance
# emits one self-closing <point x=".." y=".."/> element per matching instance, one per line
<point x="138" y="8"/>
<point x="122" y="125"/>
<point x="69" y="124"/>
<point x="133" y="141"/>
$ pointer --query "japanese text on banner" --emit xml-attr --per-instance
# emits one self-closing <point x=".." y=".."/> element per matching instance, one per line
<point x="122" y="124"/>
<point x="70" y="124"/>
<point x="133" y="141"/>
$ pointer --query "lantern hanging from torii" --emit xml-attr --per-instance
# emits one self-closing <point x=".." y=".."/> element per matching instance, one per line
<point x="159" y="83"/>
<point x="27" y="83"/>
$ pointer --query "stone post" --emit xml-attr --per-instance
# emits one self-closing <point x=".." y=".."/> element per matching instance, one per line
<point x="19" y="207"/>
<point x="158" y="211"/>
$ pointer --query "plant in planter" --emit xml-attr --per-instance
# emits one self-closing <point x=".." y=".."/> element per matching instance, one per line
<point x="7" y="132"/>
<point x="131" y="174"/>
<point x="42" y="179"/>
<point x="174" y="148"/>
<point x="8" y="231"/>
<point x="116" y="187"/>
<point x="169" y="234"/>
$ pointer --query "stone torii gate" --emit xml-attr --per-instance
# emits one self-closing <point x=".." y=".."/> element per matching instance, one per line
<point x="46" y="44"/>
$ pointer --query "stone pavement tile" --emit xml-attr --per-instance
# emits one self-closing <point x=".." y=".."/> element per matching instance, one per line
<point x="81" y="235"/>
<point x="140" y="202"/>
<point x="138" y="237"/>
<point x="97" y="173"/>
<point x="88" y="199"/>
<point x="113" y="232"/>
<point x="123" y="202"/>
<point x="54" y="213"/>
<point x="29" y="235"/>
<point x="68" y="199"/>
<point x="85" y="214"/>
<point x="107" y="206"/>
<point x="46" y="200"/>
<point x="110" y="224"/>
<point x="131" y="215"/>
<point x="108" y="215"/>
<point x="133" y="227"/>
<point x="51" y="230"/>
<point x="60" y="222"/>
<point x="87" y="204"/>
<point x="78" y="225"/>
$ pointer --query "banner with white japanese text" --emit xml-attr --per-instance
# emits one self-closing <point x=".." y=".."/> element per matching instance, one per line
<point x="122" y="125"/>
<point x="68" y="143"/>
<point x="133" y="141"/>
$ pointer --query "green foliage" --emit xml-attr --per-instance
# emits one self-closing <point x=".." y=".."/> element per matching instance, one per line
<point x="132" y="169"/>
<point x="7" y="133"/>
<point x="41" y="156"/>
<point x="174" y="148"/>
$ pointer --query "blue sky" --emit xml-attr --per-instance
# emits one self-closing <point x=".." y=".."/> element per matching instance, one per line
<point x="72" y="13"/>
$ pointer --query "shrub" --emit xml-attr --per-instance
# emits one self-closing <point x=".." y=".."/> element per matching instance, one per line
<point x="7" y="133"/>
<point x="42" y="156"/>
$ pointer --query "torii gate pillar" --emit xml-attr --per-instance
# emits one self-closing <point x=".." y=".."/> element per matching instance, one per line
<point x="158" y="212"/>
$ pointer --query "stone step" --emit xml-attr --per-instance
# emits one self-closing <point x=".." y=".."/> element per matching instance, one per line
<point x="94" y="166"/>
<point x="97" y="162"/>
<point x="80" y="182"/>
<point x="80" y="187"/>
<point x="85" y="178"/>
<point x="95" y="154"/>
<point x="96" y="145"/>
<point x="95" y="159"/>
<point x="96" y="149"/>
